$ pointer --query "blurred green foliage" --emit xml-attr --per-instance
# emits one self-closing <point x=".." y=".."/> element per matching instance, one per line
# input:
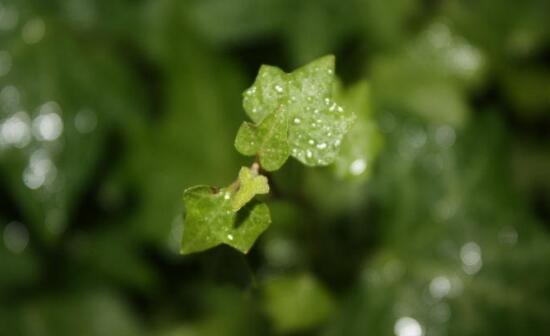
<point x="434" y="223"/>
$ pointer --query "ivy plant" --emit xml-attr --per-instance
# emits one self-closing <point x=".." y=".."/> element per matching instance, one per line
<point x="292" y="115"/>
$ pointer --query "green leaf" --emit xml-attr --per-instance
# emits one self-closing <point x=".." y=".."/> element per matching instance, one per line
<point x="210" y="220"/>
<point x="269" y="140"/>
<point x="316" y="124"/>
<point x="250" y="185"/>
<point x="266" y="95"/>
<point x="363" y="142"/>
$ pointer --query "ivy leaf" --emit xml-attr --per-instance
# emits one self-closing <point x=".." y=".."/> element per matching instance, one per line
<point x="316" y="123"/>
<point x="250" y="185"/>
<point x="266" y="94"/>
<point x="363" y="142"/>
<point x="210" y="220"/>
<point x="269" y="140"/>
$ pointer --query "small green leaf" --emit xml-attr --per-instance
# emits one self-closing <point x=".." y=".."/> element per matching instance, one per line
<point x="316" y="123"/>
<point x="269" y="140"/>
<point x="250" y="185"/>
<point x="210" y="220"/>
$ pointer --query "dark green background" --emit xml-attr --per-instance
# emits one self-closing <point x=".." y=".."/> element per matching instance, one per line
<point x="449" y="229"/>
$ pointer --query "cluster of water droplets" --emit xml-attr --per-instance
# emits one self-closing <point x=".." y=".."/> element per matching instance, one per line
<point x="317" y="129"/>
<point x="317" y="124"/>
<point x="33" y="132"/>
<point x="33" y="136"/>
<point x="264" y="96"/>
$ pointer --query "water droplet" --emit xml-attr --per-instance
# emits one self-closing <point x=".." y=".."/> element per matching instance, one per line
<point x="340" y="109"/>
<point x="33" y="31"/>
<point x="322" y="145"/>
<point x="5" y="62"/>
<point x="313" y="125"/>
<point x="330" y="71"/>
<point x="337" y="142"/>
<point x="39" y="168"/>
<point x="16" y="237"/>
<point x="230" y="237"/>
<point x="32" y="180"/>
<point x="279" y="88"/>
<point x="470" y="254"/>
<point x="254" y="110"/>
<point x="440" y="287"/>
<point x="407" y="326"/>
<point x="309" y="154"/>
<point x="327" y="101"/>
<point x="358" y="166"/>
<point x="297" y="120"/>
<point x="48" y="126"/>
<point x="445" y="136"/>
<point x="311" y="142"/>
<point x="15" y="130"/>
<point x="227" y="196"/>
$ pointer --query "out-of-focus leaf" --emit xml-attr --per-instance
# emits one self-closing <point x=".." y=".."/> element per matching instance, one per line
<point x="297" y="303"/>
<point x="316" y="123"/>
<point x="364" y="140"/>
<point x="430" y="76"/>
<point x="210" y="220"/>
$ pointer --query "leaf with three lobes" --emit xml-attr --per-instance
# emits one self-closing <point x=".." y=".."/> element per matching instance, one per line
<point x="210" y="220"/>
<point x="316" y="123"/>
<point x="250" y="184"/>
<point x="268" y="139"/>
